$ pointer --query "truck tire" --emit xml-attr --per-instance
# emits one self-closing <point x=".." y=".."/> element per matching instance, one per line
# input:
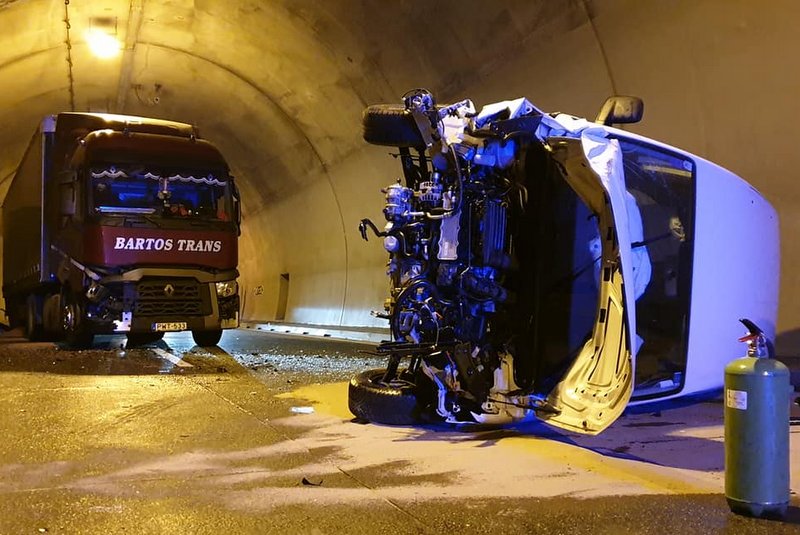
<point x="33" y="328"/>
<point x="373" y="401"/>
<point x="390" y="125"/>
<point x="73" y="323"/>
<point x="207" y="338"/>
<point x="141" y="339"/>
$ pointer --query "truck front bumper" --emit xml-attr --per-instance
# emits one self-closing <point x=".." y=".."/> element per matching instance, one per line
<point x="224" y="315"/>
<point x="158" y="300"/>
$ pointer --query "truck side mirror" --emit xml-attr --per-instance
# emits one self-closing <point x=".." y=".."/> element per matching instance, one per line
<point x="620" y="110"/>
<point x="67" y="192"/>
<point x="237" y="209"/>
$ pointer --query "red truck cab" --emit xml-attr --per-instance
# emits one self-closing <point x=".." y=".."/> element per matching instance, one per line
<point x="135" y="231"/>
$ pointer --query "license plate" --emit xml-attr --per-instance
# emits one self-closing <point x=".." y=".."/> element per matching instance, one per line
<point x="170" y="326"/>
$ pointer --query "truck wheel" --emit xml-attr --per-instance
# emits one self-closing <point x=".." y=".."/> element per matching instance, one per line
<point x="73" y="323"/>
<point x="390" y="125"/>
<point x="374" y="401"/>
<point x="207" y="338"/>
<point x="141" y="339"/>
<point x="33" y="329"/>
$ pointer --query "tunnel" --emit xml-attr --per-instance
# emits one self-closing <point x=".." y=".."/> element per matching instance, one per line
<point x="279" y="86"/>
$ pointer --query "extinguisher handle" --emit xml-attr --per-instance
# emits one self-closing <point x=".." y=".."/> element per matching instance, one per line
<point x="758" y="343"/>
<point x="752" y="327"/>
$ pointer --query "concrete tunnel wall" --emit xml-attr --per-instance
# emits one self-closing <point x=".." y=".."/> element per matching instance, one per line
<point x="280" y="86"/>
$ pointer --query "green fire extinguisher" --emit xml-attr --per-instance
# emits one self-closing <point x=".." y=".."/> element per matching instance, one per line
<point x="757" y="392"/>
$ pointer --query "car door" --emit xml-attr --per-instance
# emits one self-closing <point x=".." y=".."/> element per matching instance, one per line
<point x="596" y="388"/>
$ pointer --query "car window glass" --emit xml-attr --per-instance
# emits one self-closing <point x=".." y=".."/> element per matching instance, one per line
<point x="661" y="183"/>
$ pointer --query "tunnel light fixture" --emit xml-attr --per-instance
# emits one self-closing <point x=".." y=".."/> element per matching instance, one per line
<point x="102" y="37"/>
<point x="102" y="45"/>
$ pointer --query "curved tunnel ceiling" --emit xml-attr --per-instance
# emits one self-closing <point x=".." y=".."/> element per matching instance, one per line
<point x="279" y="86"/>
<point x="275" y="83"/>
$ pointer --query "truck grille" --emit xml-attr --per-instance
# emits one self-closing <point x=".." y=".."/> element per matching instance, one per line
<point x="172" y="298"/>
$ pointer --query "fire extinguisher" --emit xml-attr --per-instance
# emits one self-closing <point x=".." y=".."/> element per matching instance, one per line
<point x="757" y="392"/>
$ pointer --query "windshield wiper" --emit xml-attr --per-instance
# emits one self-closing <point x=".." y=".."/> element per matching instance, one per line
<point x="132" y="221"/>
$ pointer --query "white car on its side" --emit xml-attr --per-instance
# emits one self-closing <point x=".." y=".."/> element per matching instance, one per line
<point x="550" y="266"/>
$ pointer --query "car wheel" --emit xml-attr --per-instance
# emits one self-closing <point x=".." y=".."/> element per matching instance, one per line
<point x="73" y="323"/>
<point x="390" y="125"/>
<point x="141" y="339"/>
<point x="207" y="338"/>
<point x="370" y="399"/>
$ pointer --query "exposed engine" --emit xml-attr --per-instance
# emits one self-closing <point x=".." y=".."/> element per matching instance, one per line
<point x="450" y="251"/>
<point x="447" y="244"/>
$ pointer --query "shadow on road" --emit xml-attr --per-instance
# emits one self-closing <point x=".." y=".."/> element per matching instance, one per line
<point x="109" y="355"/>
<point x="688" y="436"/>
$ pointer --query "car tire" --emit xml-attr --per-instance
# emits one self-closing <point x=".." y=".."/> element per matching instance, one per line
<point x="73" y="322"/>
<point x="373" y="401"/>
<point x="207" y="338"/>
<point x="390" y="125"/>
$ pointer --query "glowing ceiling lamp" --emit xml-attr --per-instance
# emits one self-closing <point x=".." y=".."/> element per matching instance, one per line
<point x="102" y="37"/>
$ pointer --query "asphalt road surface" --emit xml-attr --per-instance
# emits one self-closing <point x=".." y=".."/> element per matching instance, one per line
<point x="255" y="437"/>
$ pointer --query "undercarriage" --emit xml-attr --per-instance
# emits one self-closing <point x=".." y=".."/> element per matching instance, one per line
<point x="484" y="284"/>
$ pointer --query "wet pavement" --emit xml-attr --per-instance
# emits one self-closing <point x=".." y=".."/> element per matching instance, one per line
<point x="255" y="437"/>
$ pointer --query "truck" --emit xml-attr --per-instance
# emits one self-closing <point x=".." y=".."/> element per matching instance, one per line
<point x="121" y="224"/>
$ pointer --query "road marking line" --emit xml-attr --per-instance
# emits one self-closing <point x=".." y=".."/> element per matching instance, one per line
<point x="172" y="358"/>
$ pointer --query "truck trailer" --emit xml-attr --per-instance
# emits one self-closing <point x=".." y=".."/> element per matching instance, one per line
<point x="121" y="224"/>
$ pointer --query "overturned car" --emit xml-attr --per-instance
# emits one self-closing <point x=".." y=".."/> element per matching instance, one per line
<point x="543" y="265"/>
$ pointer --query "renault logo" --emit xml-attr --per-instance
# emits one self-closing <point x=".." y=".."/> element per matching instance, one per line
<point x="169" y="290"/>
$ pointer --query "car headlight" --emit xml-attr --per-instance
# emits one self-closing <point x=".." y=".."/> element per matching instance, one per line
<point x="227" y="288"/>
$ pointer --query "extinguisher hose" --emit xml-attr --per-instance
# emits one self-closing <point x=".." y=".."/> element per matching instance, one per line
<point x="795" y="420"/>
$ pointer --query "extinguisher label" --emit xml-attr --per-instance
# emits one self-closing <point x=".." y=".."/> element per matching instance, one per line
<point x="736" y="399"/>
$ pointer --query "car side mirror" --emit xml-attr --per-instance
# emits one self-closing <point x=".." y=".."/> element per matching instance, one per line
<point x="620" y="109"/>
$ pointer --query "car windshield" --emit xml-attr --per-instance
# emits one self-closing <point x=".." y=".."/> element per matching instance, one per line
<point x="163" y="191"/>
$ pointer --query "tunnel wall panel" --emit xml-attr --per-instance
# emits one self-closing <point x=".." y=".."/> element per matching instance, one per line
<point x="279" y="87"/>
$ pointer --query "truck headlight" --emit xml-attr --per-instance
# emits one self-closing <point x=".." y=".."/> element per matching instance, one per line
<point x="227" y="288"/>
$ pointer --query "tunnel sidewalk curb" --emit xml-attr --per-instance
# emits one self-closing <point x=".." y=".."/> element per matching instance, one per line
<point x="371" y="335"/>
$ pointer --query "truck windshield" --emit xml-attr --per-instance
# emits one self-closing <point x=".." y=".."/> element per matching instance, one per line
<point x="162" y="191"/>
